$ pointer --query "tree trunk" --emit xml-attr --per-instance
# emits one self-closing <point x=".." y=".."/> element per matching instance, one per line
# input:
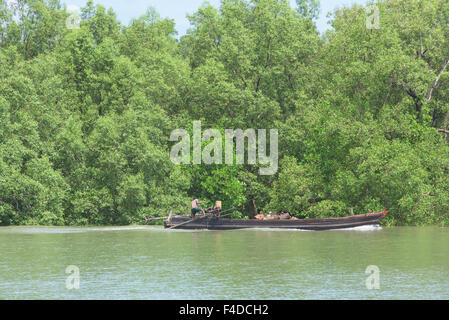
<point x="254" y="208"/>
<point x="444" y="130"/>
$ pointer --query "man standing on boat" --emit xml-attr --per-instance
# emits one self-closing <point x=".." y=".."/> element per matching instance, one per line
<point x="195" y="208"/>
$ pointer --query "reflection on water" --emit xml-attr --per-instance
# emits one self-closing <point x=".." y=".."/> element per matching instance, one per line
<point x="152" y="263"/>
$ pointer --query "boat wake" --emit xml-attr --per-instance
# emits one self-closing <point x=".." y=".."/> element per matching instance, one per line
<point x="362" y="228"/>
<point x="50" y="230"/>
<point x="129" y="228"/>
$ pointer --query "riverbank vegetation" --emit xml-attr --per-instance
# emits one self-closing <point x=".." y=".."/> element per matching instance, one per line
<point x="86" y="113"/>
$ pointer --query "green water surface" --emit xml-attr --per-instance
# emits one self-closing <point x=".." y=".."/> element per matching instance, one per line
<point x="152" y="263"/>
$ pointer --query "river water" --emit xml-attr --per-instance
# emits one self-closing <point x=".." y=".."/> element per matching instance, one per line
<point x="152" y="263"/>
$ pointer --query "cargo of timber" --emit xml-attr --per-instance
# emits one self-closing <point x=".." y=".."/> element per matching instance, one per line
<point x="215" y="222"/>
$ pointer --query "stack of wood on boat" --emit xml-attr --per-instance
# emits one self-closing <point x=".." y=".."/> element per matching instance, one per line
<point x="273" y="216"/>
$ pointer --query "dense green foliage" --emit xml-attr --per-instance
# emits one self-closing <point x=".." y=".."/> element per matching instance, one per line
<point x="86" y="114"/>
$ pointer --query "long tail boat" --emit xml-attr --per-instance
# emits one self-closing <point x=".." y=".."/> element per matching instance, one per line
<point x="217" y="223"/>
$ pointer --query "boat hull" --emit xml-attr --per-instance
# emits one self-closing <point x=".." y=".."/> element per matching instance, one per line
<point x="211" y="223"/>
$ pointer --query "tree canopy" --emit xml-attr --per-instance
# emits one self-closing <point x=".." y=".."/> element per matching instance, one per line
<point x="86" y="113"/>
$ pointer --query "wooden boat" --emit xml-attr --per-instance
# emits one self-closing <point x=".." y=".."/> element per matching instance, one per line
<point x="216" y="223"/>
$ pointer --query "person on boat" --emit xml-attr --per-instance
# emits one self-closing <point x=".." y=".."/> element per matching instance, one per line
<point x="195" y="208"/>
